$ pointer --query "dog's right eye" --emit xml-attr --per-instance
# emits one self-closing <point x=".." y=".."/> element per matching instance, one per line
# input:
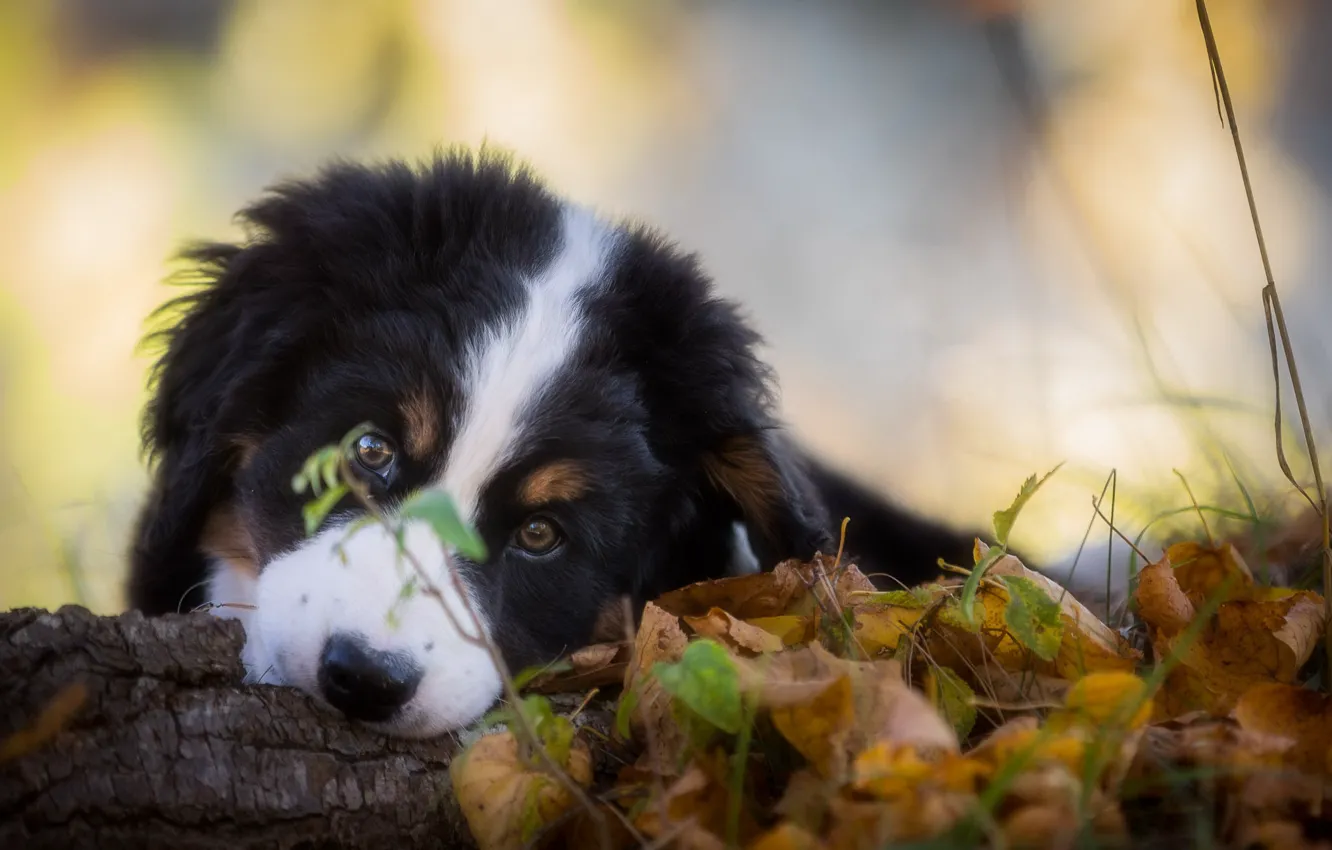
<point x="375" y="454"/>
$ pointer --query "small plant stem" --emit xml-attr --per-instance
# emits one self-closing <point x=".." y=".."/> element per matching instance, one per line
<point x="1272" y="307"/>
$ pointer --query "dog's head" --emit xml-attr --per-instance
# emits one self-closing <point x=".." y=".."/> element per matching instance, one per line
<point x="596" y="412"/>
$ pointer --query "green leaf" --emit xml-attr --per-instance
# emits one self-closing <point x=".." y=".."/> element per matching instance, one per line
<point x="955" y="699"/>
<point x="967" y="602"/>
<point x="316" y="511"/>
<point x="1003" y="520"/>
<point x="624" y="713"/>
<point x="555" y="732"/>
<point x="1033" y="617"/>
<point x="438" y="509"/>
<point x="705" y="680"/>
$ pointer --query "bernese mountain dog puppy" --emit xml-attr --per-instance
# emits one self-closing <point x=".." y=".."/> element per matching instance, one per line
<point x="596" y="411"/>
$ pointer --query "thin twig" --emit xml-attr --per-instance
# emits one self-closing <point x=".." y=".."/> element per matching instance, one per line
<point x="1272" y="308"/>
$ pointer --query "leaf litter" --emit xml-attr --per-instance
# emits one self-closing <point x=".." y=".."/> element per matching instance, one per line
<point x="804" y="708"/>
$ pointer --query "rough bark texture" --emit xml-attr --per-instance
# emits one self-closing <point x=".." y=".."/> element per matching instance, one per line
<point x="169" y="749"/>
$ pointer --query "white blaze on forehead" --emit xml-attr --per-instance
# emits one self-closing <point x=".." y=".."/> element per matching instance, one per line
<point x="510" y="365"/>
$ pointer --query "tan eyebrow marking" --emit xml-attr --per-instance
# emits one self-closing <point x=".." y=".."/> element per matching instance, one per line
<point x="226" y="537"/>
<point x="422" y="419"/>
<point x="558" y="481"/>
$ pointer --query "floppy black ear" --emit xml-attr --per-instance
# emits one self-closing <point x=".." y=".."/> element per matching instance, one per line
<point x="193" y="426"/>
<point x="765" y="477"/>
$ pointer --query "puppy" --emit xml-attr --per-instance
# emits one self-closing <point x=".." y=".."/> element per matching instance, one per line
<point x="596" y="411"/>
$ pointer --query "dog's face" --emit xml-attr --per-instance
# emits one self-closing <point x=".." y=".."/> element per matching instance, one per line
<point x="596" y="413"/>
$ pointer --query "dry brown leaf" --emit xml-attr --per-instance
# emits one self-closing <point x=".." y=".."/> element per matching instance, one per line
<point x="858" y="825"/>
<point x="1202" y="571"/>
<point x="831" y="709"/>
<point x="745" y="597"/>
<point x="848" y="584"/>
<point x="505" y="801"/>
<point x="695" y="807"/>
<point x="736" y="635"/>
<point x="659" y="638"/>
<point x="1162" y="603"/>
<point x="1288" y="711"/>
<point x="594" y="666"/>
<point x="1042" y="825"/>
<point x="789" y="678"/>
<point x="1266" y="636"/>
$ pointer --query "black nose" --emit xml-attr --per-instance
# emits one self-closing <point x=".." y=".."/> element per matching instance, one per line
<point x="364" y="683"/>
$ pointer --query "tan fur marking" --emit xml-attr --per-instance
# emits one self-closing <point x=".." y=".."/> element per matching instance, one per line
<point x="246" y="448"/>
<point x="422" y="420"/>
<point x="613" y="622"/>
<point x="742" y="469"/>
<point x="558" y="481"/>
<point x="225" y="537"/>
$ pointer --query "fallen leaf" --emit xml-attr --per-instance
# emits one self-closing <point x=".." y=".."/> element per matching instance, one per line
<point x="818" y="728"/>
<point x="787" y="836"/>
<point x="1264" y="638"/>
<point x="705" y="680"/>
<point x="791" y="629"/>
<point x="1099" y="701"/>
<point x="1202" y="571"/>
<point x="753" y="595"/>
<point x="695" y="807"/>
<point x="736" y="634"/>
<point x="1088" y="645"/>
<point x="507" y="802"/>
<point x="1288" y="711"/>
<point x="594" y="666"/>
<point x="952" y="698"/>
<point x="660" y="639"/>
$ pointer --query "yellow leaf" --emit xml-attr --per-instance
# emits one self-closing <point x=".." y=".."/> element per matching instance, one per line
<point x="879" y="627"/>
<point x="786" y="836"/>
<point x="1099" y="700"/>
<point x="791" y="629"/>
<point x="887" y="770"/>
<point x="505" y="801"/>
<point x="817" y="729"/>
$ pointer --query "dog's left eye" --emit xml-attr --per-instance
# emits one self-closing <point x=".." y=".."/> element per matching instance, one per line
<point x="375" y="453"/>
<point x="538" y="535"/>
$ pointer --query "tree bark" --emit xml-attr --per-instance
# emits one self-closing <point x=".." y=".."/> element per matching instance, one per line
<point x="168" y="749"/>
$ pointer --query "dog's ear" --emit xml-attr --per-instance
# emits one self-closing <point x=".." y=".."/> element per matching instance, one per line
<point x="764" y="476"/>
<point x="202" y="401"/>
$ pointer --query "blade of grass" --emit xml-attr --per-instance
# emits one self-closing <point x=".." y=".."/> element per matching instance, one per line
<point x="1272" y="309"/>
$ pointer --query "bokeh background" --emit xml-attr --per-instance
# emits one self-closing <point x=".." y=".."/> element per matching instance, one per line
<point x="980" y="236"/>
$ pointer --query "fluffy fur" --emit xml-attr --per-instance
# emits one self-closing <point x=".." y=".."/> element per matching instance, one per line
<point x="534" y="360"/>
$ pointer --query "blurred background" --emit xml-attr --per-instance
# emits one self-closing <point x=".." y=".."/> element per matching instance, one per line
<point x="980" y="236"/>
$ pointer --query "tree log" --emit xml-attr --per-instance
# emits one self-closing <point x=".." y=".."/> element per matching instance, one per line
<point x="167" y="748"/>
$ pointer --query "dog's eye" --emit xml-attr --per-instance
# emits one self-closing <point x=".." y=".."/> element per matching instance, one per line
<point x="374" y="453"/>
<point x="538" y="535"/>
